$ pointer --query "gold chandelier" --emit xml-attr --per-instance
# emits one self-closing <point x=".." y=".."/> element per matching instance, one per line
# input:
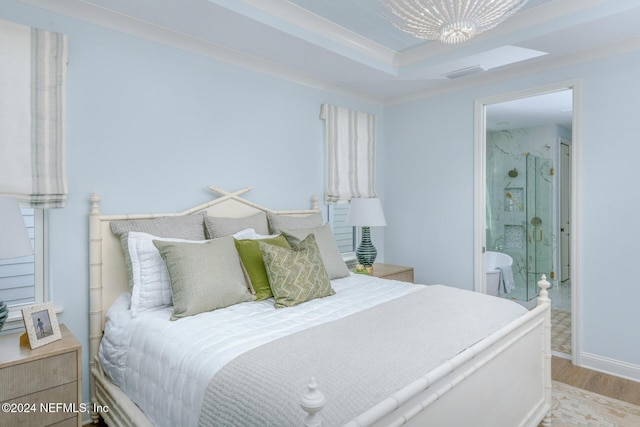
<point x="450" y="21"/>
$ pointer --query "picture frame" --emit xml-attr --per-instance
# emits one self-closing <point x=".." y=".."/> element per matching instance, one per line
<point x="41" y="323"/>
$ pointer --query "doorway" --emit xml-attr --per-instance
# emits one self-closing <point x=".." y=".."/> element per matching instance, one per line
<point x="525" y="187"/>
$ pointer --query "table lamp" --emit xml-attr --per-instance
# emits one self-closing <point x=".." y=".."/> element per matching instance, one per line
<point x="366" y="213"/>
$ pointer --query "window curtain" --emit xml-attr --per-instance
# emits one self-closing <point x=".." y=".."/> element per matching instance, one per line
<point x="33" y="67"/>
<point x="350" y="138"/>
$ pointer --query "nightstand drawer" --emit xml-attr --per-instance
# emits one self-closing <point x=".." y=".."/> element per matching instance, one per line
<point x="27" y="378"/>
<point x="46" y="407"/>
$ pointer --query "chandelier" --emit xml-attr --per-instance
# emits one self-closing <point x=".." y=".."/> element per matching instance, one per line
<point x="450" y="21"/>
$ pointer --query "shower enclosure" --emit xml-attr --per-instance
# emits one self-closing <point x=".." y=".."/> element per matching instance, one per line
<point x="539" y="247"/>
<point x="520" y="220"/>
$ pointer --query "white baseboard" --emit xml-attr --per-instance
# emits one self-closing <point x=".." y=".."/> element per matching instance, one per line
<point x="610" y="366"/>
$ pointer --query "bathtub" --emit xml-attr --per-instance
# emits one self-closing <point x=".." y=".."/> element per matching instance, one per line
<point x="492" y="261"/>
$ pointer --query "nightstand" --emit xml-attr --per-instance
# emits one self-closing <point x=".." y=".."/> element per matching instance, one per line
<point x="41" y="387"/>
<point x="393" y="272"/>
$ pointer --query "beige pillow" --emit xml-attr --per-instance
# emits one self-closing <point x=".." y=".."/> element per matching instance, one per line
<point x="331" y="256"/>
<point x="296" y="275"/>
<point x="221" y="226"/>
<point x="204" y="276"/>
<point x="279" y="222"/>
<point x="189" y="227"/>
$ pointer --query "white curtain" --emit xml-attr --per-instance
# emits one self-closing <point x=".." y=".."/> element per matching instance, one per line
<point x="33" y="66"/>
<point x="350" y="138"/>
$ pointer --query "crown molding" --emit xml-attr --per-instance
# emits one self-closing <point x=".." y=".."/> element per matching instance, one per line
<point x="84" y="11"/>
<point x="533" y="66"/>
<point x="87" y="12"/>
<point x="308" y="23"/>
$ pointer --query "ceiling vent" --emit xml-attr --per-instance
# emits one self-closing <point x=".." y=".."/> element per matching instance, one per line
<point x="456" y="74"/>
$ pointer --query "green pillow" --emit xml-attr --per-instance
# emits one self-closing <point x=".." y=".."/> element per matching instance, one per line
<point x="296" y="275"/>
<point x="249" y="251"/>
<point x="204" y="276"/>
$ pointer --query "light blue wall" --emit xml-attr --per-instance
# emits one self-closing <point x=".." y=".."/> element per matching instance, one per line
<point x="149" y="127"/>
<point x="429" y="194"/>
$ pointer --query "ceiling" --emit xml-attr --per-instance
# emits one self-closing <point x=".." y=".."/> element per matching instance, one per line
<point x="349" y="45"/>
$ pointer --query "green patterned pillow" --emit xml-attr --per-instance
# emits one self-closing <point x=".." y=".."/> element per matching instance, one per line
<point x="296" y="275"/>
<point x="249" y="251"/>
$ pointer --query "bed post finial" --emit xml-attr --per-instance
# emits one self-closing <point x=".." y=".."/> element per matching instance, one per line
<point x="543" y="284"/>
<point x="312" y="401"/>
<point x="95" y="203"/>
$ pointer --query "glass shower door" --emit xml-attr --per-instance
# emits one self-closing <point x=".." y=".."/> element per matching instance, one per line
<point x="539" y="208"/>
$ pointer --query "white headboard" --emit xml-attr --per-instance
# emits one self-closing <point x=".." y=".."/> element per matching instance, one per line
<point x="107" y="272"/>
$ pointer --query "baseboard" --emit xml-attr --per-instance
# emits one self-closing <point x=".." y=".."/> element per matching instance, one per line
<point x="610" y="366"/>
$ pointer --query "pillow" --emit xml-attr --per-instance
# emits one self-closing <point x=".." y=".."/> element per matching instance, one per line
<point x="333" y="262"/>
<point x="221" y="227"/>
<point x="247" y="233"/>
<point x="278" y="222"/>
<point x="190" y="227"/>
<point x="204" y="276"/>
<point x="251" y="257"/>
<point x="296" y="275"/>
<point x="151" y="284"/>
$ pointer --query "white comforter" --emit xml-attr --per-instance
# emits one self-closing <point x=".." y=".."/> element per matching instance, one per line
<point x="165" y="366"/>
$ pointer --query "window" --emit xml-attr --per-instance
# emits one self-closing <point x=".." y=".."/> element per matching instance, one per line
<point x="344" y="235"/>
<point x="22" y="279"/>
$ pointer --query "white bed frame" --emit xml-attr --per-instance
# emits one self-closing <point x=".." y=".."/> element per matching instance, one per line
<point x="473" y="388"/>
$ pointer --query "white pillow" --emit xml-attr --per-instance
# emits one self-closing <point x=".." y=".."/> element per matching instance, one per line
<point x="151" y="282"/>
<point x="247" y="233"/>
<point x="250" y="234"/>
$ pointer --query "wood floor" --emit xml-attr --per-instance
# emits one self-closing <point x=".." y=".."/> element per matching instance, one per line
<point x="564" y="371"/>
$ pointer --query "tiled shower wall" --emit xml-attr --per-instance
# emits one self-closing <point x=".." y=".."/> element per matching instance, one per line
<point x="506" y="196"/>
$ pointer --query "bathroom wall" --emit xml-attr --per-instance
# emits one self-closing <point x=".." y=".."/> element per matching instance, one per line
<point x="511" y="201"/>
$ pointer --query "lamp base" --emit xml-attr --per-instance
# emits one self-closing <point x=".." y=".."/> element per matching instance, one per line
<point x="366" y="252"/>
<point x="4" y="313"/>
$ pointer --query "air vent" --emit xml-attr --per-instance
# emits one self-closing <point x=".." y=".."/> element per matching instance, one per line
<point x="464" y="72"/>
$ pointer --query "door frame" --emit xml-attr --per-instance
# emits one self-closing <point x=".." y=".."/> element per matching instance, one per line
<point x="480" y="157"/>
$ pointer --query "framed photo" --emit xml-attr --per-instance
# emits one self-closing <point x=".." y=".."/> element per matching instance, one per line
<point x="41" y="324"/>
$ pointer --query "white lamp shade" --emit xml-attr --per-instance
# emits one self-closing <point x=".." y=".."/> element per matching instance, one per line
<point x="14" y="240"/>
<point x="366" y="213"/>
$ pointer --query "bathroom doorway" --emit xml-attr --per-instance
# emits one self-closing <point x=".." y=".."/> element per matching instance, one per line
<point x="524" y="195"/>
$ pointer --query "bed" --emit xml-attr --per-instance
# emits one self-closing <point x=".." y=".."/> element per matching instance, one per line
<point x="314" y="363"/>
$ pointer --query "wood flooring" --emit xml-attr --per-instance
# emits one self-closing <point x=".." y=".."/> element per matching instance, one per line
<point x="564" y="371"/>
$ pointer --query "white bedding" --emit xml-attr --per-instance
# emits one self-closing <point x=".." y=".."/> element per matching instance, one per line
<point x="165" y="366"/>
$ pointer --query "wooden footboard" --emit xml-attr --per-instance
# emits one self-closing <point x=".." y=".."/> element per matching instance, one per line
<point x="504" y="380"/>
